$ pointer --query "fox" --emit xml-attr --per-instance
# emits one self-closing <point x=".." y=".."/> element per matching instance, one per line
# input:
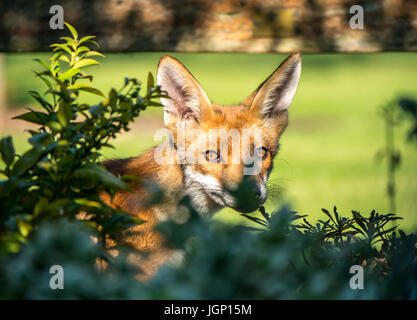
<point x="209" y="182"/>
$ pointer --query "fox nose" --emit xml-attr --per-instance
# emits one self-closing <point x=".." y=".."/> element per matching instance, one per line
<point x="257" y="189"/>
<point x="250" y="194"/>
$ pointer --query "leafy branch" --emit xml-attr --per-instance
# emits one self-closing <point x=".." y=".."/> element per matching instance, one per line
<point x="60" y="176"/>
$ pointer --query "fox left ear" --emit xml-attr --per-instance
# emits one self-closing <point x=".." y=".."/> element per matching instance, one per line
<point x="187" y="101"/>
<point x="276" y="93"/>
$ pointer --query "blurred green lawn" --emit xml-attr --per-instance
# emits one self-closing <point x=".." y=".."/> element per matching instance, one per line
<point x="328" y="151"/>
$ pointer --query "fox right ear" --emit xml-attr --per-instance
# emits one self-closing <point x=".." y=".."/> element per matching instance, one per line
<point x="187" y="101"/>
<point x="275" y="94"/>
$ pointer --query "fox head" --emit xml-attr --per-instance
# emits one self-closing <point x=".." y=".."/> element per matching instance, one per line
<point x="213" y="133"/>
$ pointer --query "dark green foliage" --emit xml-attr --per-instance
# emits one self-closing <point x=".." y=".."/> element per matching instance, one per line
<point x="288" y="260"/>
<point x="60" y="176"/>
<point x="68" y="244"/>
<point x="291" y="259"/>
<point x="282" y="255"/>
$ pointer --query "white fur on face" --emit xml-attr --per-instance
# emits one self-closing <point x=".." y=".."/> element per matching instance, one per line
<point x="264" y="193"/>
<point x="207" y="193"/>
<point x="200" y="188"/>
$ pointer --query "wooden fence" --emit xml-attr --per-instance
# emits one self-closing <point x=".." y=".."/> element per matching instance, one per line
<point x="215" y="25"/>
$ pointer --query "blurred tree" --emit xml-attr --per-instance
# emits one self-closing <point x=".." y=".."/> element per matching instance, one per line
<point x="2" y="91"/>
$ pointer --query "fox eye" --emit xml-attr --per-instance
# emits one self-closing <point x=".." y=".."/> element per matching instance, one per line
<point x="261" y="153"/>
<point x="212" y="156"/>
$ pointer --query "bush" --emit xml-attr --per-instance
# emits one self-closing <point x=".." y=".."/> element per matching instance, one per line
<point x="282" y="256"/>
<point x="292" y="259"/>
<point x="60" y="176"/>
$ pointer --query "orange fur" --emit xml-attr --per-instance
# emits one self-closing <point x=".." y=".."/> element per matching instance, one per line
<point x="206" y="182"/>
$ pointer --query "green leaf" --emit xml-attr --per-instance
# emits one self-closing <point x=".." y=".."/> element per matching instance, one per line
<point x="24" y="227"/>
<point x="27" y="160"/>
<point x="85" y="63"/>
<point x="64" y="58"/>
<point x="86" y="76"/>
<point x="151" y="82"/>
<point x="88" y="203"/>
<point x="112" y="97"/>
<point x="68" y="74"/>
<point x="86" y="39"/>
<point x="7" y="150"/>
<point x="87" y="88"/>
<point x="328" y="214"/>
<point x="98" y="173"/>
<point x="94" y="53"/>
<point x="61" y="46"/>
<point x="360" y="220"/>
<point x="72" y="30"/>
<point x="255" y="219"/>
<point x="46" y="81"/>
<point x="64" y="113"/>
<point x="34" y="117"/>
<point x="70" y="42"/>
<point x="54" y="125"/>
<point x="40" y="207"/>
<point x="45" y="104"/>
<point x="82" y="49"/>
<point x="43" y="63"/>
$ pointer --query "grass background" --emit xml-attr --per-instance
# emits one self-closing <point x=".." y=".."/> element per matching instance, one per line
<point x="328" y="152"/>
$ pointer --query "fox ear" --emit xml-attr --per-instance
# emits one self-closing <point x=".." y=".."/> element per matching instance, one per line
<point x="276" y="93"/>
<point x="187" y="98"/>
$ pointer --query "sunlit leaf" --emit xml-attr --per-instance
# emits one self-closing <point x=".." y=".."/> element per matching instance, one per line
<point x="69" y="74"/>
<point x="72" y="30"/>
<point x="87" y="88"/>
<point x="85" y="63"/>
